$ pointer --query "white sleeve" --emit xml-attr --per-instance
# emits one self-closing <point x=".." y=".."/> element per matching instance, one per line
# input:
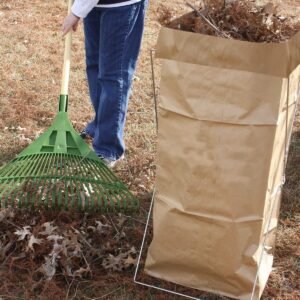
<point x="81" y="8"/>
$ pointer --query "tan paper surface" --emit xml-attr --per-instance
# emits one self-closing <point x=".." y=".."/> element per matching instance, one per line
<point x="222" y="135"/>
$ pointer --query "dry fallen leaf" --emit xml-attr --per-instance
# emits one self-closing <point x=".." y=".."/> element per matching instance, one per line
<point x="101" y="228"/>
<point x="33" y="241"/>
<point x="5" y="214"/>
<point x="120" y="262"/>
<point x="55" y="238"/>
<point x="113" y="263"/>
<point x="49" y="267"/>
<point x="130" y="261"/>
<point x="81" y="271"/>
<point x="49" y="228"/>
<point x="22" y="233"/>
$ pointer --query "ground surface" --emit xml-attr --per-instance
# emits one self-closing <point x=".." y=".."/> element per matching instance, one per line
<point x="31" y="49"/>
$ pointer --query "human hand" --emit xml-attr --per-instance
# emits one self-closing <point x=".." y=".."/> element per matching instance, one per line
<point x="70" y="22"/>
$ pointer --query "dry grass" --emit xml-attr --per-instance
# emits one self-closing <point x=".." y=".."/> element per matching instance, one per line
<point x="30" y="71"/>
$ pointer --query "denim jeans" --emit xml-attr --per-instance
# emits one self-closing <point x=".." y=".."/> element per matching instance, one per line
<point x="112" y="40"/>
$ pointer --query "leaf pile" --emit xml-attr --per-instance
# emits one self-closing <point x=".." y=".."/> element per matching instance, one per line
<point x="242" y="20"/>
<point x="71" y="246"/>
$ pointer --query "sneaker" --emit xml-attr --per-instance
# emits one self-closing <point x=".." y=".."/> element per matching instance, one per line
<point x="110" y="162"/>
<point x="84" y="135"/>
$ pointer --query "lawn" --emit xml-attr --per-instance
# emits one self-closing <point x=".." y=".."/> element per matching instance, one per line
<point x="31" y="51"/>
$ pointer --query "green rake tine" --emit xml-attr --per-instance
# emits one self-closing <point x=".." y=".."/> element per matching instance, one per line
<point x="86" y="187"/>
<point x="94" y="195"/>
<point x="91" y="205"/>
<point x="102" y="201"/>
<point x="18" y="168"/>
<point x="79" y="200"/>
<point x="34" y="170"/>
<point x="117" y="202"/>
<point x="99" y="197"/>
<point x="21" y="198"/>
<point x="100" y="167"/>
<point x="35" y="199"/>
<point x="17" y="194"/>
<point x="26" y="166"/>
<point x="29" y="167"/>
<point x="62" y="166"/>
<point x="2" y="194"/>
<point x="66" y="187"/>
<point x="66" y="196"/>
<point x="7" y="171"/>
<point x="109" y="203"/>
<point x="105" y="202"/>
<point x="123" y="201"/>
<point x="85" y="182"/>
<point x="38" y="182"/>
<point x="71" y="186"/>
<point x="31" y="193"/>
<point x="55" y="178"/>
<point x="88" y="168"/>
<point x="46" y="204"/>
<point x="100" y="173"/>
<point x="133" y="201"/>
<point x="7" y="189"/>
<point x="47" y="158"/>
<point x="86" y="203"/>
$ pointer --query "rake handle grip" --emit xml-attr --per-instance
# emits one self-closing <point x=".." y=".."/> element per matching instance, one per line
<point x="67" y="59"/>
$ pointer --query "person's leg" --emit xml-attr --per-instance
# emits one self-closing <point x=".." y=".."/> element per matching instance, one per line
<point x="121" y="31"/>
<point x="92" y="42"/>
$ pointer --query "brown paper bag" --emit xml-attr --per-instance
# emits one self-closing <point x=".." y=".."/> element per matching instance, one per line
<point x="226" y="113"/>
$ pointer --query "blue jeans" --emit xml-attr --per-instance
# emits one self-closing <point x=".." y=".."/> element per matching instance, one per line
<point x="112" y="40"/>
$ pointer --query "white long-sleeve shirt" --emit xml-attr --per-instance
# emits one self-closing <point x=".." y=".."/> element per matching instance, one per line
<point x="81" y="8"/>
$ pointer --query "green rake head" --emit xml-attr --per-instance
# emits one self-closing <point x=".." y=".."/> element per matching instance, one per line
<point x="59" y="171"/>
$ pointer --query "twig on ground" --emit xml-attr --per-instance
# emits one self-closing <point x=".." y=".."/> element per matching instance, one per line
<point x="11" y="223"/>
<point x="70" y="285"/>
<point x="104" y="296"/>
<point x="112" y="222"/>
<point x="88" y="265"/>
<point x="136" y="220"/>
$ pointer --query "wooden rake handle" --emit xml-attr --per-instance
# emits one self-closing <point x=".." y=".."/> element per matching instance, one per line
<point x="67" y="59"/>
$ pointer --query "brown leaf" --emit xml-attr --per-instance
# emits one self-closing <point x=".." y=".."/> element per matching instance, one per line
<point x="22" y="233"/>
<point x="49" y="228"/>
<point x="81" y="271"/>
<point x="6" y="214"/>
<point x="114" y="263"/>
<point x="32" y="241"/>
<point x="130" y="261"/>
<point x="49" y="267"/>
<point x="101" y="228"/>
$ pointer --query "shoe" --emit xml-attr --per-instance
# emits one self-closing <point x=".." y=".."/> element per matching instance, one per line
<point x="84" y="135"/>
<point x="110" y="162"/>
